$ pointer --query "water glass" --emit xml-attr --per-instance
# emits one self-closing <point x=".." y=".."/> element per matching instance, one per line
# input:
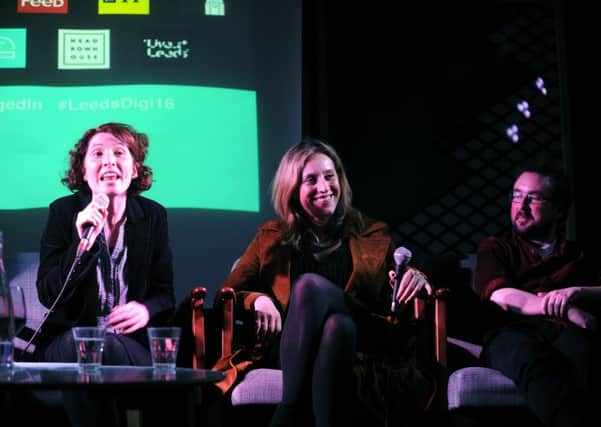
<point x="12" y="320"/>
<point x="89" y="345"/>
<point x="164" y="343"/>
<point x="6" y="354"/>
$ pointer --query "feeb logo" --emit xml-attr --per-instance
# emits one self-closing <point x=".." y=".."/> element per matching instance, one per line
<point x="42" y="6"/>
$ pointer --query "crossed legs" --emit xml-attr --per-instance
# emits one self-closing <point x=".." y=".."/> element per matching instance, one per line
<point x="317" y="345"/>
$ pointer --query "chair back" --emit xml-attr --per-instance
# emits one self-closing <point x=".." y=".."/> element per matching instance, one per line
<point x="197" y="299"/>
<point x="24" y="272"/>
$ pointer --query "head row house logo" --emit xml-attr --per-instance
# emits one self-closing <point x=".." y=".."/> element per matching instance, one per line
<point x="84" y="49"/>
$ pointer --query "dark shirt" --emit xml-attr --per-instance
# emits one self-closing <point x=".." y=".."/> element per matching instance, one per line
<point x="509" y="261"/>
<point x="149" y="269"/>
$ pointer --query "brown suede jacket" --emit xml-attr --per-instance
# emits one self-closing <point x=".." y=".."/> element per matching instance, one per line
<point x="264" y="268"/>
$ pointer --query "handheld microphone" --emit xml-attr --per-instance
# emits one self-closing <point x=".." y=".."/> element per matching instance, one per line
<point x="102" y="201"/>
<point x="402" y="256"/>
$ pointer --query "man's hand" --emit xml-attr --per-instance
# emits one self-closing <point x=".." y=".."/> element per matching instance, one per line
<point x="582" y="318"/>
<point x="556" y="302"/>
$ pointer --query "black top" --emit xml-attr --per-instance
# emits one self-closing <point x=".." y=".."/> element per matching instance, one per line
<point x="336" y="266"/>
<point x="149" y="269"/>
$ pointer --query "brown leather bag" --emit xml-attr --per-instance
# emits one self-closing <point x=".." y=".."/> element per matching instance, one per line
<point x="232" y="365"/>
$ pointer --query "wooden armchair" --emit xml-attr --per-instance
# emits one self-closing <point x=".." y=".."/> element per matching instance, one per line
<point x="261" y="389"/>
<point x="197" y="299"/>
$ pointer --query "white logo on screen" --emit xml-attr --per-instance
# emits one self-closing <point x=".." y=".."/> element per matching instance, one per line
<point x="43" y="3"/>
<point x="214" y="7"/>
<point x="156" y="48"/>
<point x="83" y="49"/>
<point x="7" y="48"/>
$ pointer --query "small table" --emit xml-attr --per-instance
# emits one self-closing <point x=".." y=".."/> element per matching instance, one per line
<point x="118" y="382"/>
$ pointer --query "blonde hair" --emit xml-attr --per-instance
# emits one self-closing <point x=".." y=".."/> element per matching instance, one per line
<point x="286" y="183"/>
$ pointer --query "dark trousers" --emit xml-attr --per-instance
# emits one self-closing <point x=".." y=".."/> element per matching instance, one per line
<point x="118" y="350"/>
<point x="553" y="365"/>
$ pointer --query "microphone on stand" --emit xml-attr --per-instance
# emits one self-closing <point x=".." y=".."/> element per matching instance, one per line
<point x="402" y="256"/>
<point x="101" y="200"/>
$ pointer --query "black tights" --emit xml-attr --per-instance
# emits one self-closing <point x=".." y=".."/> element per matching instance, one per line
<point x="317" y="351"/>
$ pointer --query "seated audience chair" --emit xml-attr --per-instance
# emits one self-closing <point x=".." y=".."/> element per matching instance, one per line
<point x="476" y="395"/>
<point x="23" y="271"/>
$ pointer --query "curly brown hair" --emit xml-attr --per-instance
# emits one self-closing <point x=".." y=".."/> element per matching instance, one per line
<point x="136" y="142"/>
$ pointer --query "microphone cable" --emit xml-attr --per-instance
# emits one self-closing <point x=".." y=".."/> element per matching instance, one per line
<point x="102" y="201"/>
<point x="51" y="309"/>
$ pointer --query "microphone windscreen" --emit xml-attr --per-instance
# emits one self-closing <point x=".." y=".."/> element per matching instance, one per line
<point x="402" y="255"/>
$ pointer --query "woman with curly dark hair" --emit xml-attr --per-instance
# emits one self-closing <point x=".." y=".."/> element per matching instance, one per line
<point x="105" y="257"/>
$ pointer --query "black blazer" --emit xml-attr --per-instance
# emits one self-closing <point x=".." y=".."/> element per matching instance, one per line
<point x="148" y="270"/>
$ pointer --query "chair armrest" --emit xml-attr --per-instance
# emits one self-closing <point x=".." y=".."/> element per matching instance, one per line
<point x="419" y="306"/>
<point x="437" y="337"/>
<point x="227" y="301"/>
<point x="438" y="299"/>
<point x="197" y="300"/>
<point x="440" y="326"/>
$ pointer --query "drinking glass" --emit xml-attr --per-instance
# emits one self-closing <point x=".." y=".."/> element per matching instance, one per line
<point x="12" y="321"/>
<point x="164" y="344"/>
<point x="89" y="345"/>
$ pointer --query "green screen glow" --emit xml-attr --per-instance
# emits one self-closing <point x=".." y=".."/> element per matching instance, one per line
<point x="203" y="141"/>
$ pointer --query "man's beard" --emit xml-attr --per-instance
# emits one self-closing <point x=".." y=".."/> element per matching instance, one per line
<point x="536" y="232"/>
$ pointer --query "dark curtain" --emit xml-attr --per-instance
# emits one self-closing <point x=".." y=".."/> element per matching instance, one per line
<point x="315" y="69"/>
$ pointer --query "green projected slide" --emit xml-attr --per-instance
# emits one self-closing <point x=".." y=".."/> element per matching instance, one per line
<point x="203" y="141"/>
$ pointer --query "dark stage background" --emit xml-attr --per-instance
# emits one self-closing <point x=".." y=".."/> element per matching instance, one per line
<point x="419" y="101"/>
